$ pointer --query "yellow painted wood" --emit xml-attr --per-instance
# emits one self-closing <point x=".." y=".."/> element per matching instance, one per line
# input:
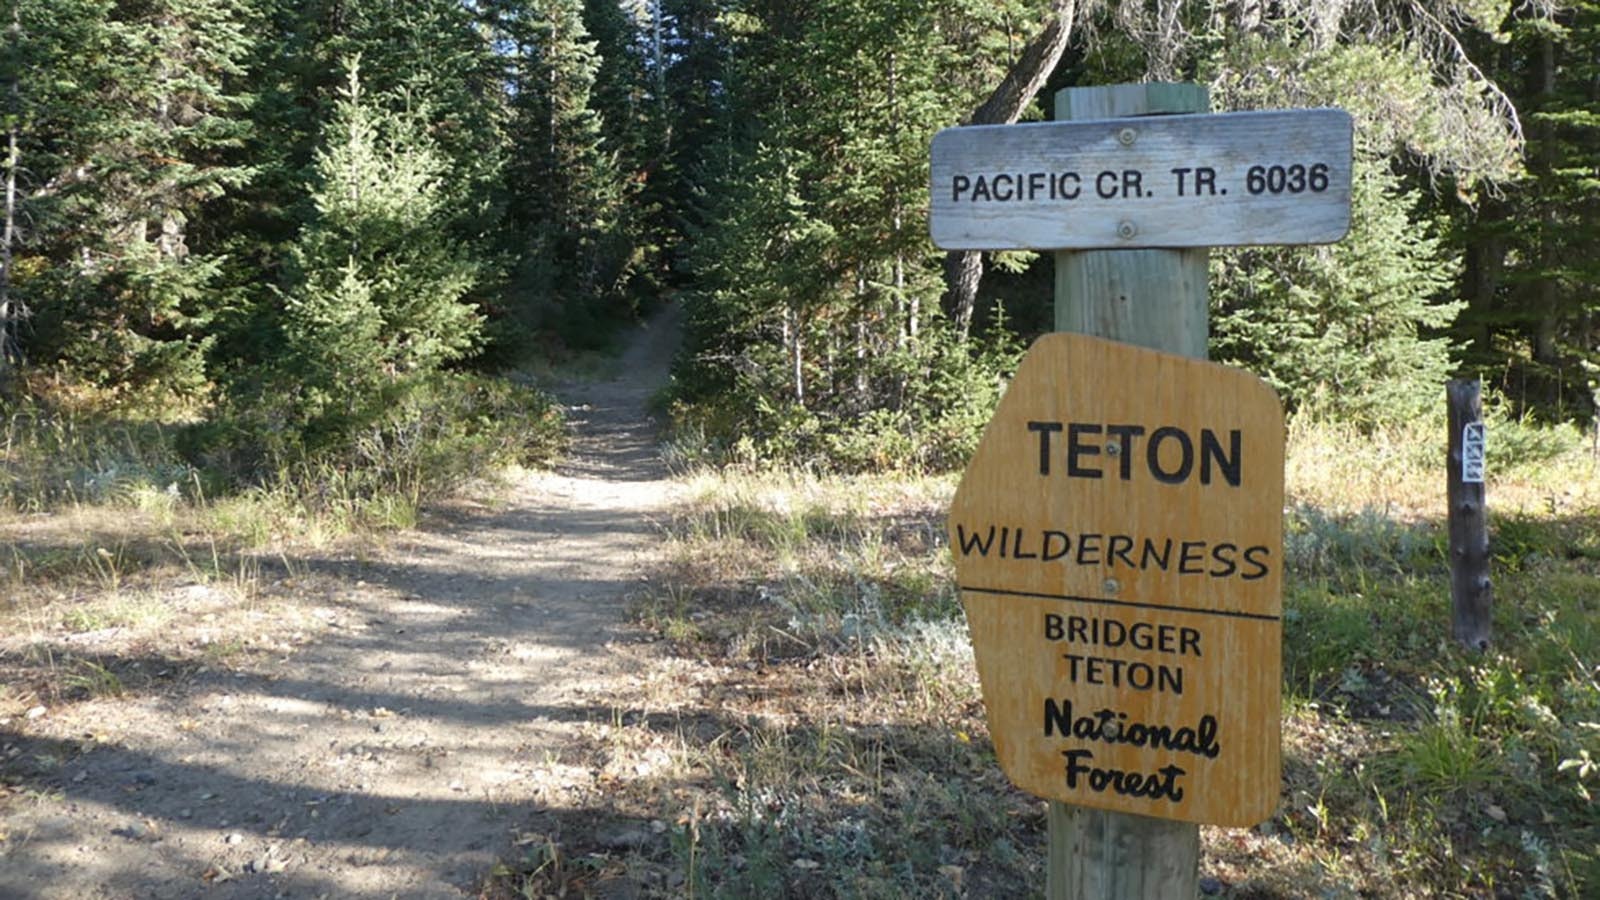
<point x="1184" y="579"/>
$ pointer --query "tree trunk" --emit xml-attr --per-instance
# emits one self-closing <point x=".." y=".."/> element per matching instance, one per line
<point x="10" y="311"/>
<point x="1471" y="592"/>
<point x="964" y="268"/>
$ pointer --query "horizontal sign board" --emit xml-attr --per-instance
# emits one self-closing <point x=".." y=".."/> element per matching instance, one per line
<point x="1118" y="543"/>
<point x="1226" y="179"/>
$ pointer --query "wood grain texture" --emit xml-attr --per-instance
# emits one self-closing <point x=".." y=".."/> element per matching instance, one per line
<point x="1155" y="299"/>
<point x="1116" y="856"/>
<point x="1471" y="591"/>
<point x="1197" y="580"/>
<point x="1133" y="183"/>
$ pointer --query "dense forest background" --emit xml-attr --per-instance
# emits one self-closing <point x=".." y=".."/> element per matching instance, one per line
<point x="312" y="229"/>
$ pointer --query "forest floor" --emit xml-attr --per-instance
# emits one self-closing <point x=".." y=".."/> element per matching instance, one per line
<point x="602" y="681"/>
<point x="374" y="717"/>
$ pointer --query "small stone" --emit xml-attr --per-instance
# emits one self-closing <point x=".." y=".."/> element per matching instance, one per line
<point x="234" y="838"/>
<point x="266" y="863"/>
<point x="185" y="813"/>
<point x="78" y="778"/>
<point x="36" y="712"/>
<point x="1211" y="886"/>
<point x="622" y="838"/>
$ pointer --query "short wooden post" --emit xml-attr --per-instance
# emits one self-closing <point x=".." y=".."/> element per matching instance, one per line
<point x="1155" y="299"/>
<point x="1470" y="592"/>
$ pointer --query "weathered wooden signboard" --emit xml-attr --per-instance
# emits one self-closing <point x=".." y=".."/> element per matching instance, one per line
<point x="1274" y="177"/>
<point x="1119" y="549"/>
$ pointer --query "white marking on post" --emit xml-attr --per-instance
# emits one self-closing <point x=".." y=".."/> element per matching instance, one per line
<point x="1472" y="453"/>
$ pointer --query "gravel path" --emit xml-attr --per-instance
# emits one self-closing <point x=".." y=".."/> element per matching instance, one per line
<point x="396" y="752"/>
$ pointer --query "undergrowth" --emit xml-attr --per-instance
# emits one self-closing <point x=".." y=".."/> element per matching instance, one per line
<point x="851" y="756"/>
<point x="112" y="519"/>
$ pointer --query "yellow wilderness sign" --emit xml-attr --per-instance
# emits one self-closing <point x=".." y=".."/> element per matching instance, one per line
<point x="1118" y="541"/>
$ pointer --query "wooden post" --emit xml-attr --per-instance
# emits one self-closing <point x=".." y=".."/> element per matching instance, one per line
<point x="1155" y="299"/>
<point x="1470" y="592"/>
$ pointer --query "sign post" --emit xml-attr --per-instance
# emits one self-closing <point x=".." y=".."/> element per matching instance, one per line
<point x="1118" y="536"/>
<point x="1471" y="591"/>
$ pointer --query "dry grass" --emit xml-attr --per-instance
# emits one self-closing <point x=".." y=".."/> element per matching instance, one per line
<point x="825" y="736"/>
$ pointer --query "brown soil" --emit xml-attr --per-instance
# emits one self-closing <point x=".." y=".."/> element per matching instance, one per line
<point x="399" y="713"/>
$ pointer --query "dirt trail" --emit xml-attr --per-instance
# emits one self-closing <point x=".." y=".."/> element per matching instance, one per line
<point x="395" y="754"/>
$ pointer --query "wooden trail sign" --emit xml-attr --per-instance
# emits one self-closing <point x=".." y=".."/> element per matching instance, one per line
<point x="1274" y="177"/>
<point x="1119" y="549"/>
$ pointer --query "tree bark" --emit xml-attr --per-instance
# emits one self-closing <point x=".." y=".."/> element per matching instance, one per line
<point x="964" y="268"/>
<point x="1471" y="592"/>
<point x="10" y="311"/>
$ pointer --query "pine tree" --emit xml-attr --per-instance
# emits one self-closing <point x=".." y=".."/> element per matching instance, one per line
<point x="1533" y="319"/>
<point x="136" y="308"/>
<point x="815" y="329"/>
<point x="48" y="73"/>
<point x="435" y="58"/>
<point x="1354" y="328"/>
<point x="568" y="188"/>
<point x="374" y="294"/>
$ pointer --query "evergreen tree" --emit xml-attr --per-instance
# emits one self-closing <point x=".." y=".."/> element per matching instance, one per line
<point x="815" y="331"/>
<point x="48" y="108"/>
<point x="568" y="189"/>
<point x="374" y="295"/>
<point x="138" y="152"/>
<point x="1533" y="319"/>
<point x="434" y="58"/>
<point x="1353" y="327"/>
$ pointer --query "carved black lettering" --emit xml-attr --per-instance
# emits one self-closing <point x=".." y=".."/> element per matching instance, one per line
<point x="970" y="543"/>
<point x="1064" y="545"/>
<point x="1256" y="558"/>
<point x="1089" y="549"/>
<point x="1211" y="451"/>
<point x="1162" y="558"/>
<point x="1052" y="627"/>
<point x="1188" y="641"/>
<point x="1057" y="718"/>
<point x="1120" y="547"/>
<point x="1170" y="680"/>
<point x="1226" y="563"/>
<point x="1125" y="435"/>
<point x="1045" y="429"/>
<point x="1190" y="557"/>
<point x="1075" y="627"/>
<point x="1016" y="547"/>
<point x="1168" y="434"/>
<point x="1077" y="448"/>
